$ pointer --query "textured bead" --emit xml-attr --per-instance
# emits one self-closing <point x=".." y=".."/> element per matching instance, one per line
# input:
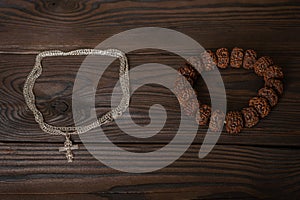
<point x="261" y="65"/>
<point x="185" y="94"/>
<point x="190" y="107"/>
<point x="209" y="60"/>
<point x="261" y="105"/>
<point x="234" y="122"/>
<point x="273" y="71"/>
<point x="249" y="59"/>
<point x="250" y="116"/>
<point x="269" y="94"/>
<point x="236" y="58"/>
<point x="196" y="62"/>
<point x="181" y="84"/>
<point x="204" y="115"/>
<point x="223" y="58"/>
<point x="216" y="120"/>
<point x="188" y="72"/>
<point x="275" y="84"/>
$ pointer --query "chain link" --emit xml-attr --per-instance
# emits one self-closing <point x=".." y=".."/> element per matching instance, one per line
<point x="107" y="117"/>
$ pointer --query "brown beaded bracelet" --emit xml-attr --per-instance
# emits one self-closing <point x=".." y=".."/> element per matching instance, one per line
<point x="259" y="106"/>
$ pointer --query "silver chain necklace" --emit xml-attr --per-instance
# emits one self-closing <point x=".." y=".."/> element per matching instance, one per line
<point x="76" y="130"/>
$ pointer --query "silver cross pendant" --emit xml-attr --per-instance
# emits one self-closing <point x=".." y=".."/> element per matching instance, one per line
<point x="68" y="147"/>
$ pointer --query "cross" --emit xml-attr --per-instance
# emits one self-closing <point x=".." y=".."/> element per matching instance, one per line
<point x="68" y="147"/>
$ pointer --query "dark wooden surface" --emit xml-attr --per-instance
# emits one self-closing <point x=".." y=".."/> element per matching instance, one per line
<point x="261" y="162"/>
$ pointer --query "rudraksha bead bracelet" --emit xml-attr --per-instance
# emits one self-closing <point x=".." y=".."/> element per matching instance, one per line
<point x="259" y="106"/>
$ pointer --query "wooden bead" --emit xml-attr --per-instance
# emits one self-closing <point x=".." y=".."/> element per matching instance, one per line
<point x="249" y="59"/>
<point x="188" y="72"/>
<point x="273" y="71"/>
<point x="234" y="122"/>
<point x="196" y="62"/>
<point x="223" y="58"/>
<point x="204" y="115"/>
<point x="181" y="83"/>
<point x="185" y="94"/>
<point x="209" y="60"/>
<point x="262" y="64"/>
<point x="276" y="84"/>
<point x="190" y="107"/>
<point x="236" y="58"/>
<point x="216" y="120"/>
<point x="269" y="94"/>
<point x="261" y="105"/>
<point x="250" y="117"/>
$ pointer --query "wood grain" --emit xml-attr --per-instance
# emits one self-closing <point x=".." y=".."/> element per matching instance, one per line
<point x="262" y="162"/>
<point x="55" y="102"/>
<point x="53" y="24"/>
<point x="251" y="171"/>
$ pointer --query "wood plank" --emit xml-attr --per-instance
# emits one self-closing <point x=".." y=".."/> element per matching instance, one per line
<point x="261" y="162"/>
<point x="228" y="171"/>
<point x="57" y="196"/>
<point x="30" y="26"/>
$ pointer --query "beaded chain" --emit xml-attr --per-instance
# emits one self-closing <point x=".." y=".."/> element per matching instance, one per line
<point x="259" y="106"/>
<point x="67" y="131"/>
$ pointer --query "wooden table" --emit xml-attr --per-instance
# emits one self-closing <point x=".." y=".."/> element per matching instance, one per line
<point x="261" y="162"/>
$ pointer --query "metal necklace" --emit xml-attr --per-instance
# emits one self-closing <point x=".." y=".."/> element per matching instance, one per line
<point x="76" y="130"/>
